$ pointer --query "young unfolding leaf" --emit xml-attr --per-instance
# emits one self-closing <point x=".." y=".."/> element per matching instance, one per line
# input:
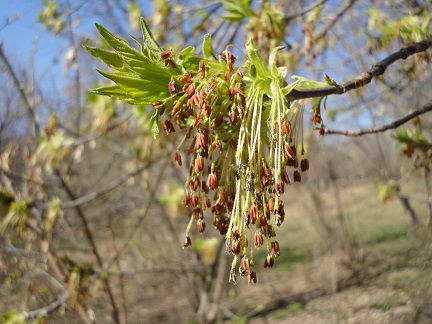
<point x="150" y="45"/>
<point x="207" y="47"/>
<point x="237" y="9"/>
<point x="308" y="83"/>
<point x="111" y="59"/>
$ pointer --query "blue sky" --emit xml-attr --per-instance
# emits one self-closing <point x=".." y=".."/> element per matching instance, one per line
<point x="27" y="42"/>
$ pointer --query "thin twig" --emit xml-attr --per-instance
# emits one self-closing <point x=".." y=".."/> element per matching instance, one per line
<point x="383" y="128"/>
<point x="362" y="79"/>
<point x="90" y="237"/>
<point x="86" y="198"/>
<point x="141" y="219"/>
<point x="305" y="10"/>
<point x="342" y="11"/>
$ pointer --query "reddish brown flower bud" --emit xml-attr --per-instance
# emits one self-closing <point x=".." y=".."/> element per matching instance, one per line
<point x="275" y="249"/>
<point x="187" y="242"/>
<point x="168" y="127"/>
<point x="304" y="164"/>
<point x="290" y="162"/>
<point x="193" y="184"/>
<point x="177" y="158"/>
<point x="258" y="239"/>
<point x="200" y="225"/>
<point x="186" y="78"/>
<point x="228" y="56"/>
<point x="193" y="200"/>
<point x="187" y="198"/>
<point x="231" y="92"/>
<point x="170" y="62"/>
<point x="190" y="90"/>
<point x="189" y="104"/>
<point x="217" y="209"/>
<point x="286" y="127"/>
<point x="269" y="261"/>
<point x="233" y="116"/>
<point x="199" y="164"/>
<point x="281" y="209"/>
<point x="253" y="214"/>
<point x="289" y="152"/>
<point x="223" y="228"/>
<point x="196" y="213"/>
<point x="284" y="176"/>
<point x="244" y="264"/>
<point x="235" y="234"/>
<point x="236" y="246"/>
<point x="165" y="54"/>
<point x="279" y="219"/>
<point x="212" y="181"/>
<point x="271" y="204"/>
<point x="200" y="141"/>
<point x="222" y="198"/>
<point x="217" y="121"/>
<point x="297" y="176"/>
<point x="262" y="220"/>
<point x="252" y="277"/>
<point x="172" y="87"/>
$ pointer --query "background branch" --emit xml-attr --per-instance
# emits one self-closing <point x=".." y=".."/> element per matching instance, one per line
<point x="383" y="128"/>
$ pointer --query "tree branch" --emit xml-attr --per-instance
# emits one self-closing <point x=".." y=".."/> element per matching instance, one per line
<point x="48" y="308"/>
<point x="362" y="79"/>
<point x="383" y="128"/>
<point x="21" y="90"/>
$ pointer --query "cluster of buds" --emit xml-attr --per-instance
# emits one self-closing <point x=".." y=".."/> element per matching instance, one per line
<point x="245" y="139"/>
<point x="166" y="57"/>
<point x="230" y="174"/>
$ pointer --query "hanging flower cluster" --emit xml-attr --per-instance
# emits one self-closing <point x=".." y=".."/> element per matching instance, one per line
<point x="245" y="138"/>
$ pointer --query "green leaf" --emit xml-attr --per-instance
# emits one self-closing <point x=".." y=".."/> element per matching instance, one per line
<point x="308" y="83"/>
<point x="272" y="61"/>
<point x="207" y="47"/>
<point x="130" y="80"/>
<point x="131" y="96"/>
<point x="233" y="16"/>
<point x="187" y="51"/>
<point x="152" y="47"/>
<point x="111" y="59"/>
<point x="153" y="125"/>
<point x="237" y="9"/>
<point x="287" y="89"/>
<point x="119" y="44"/>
